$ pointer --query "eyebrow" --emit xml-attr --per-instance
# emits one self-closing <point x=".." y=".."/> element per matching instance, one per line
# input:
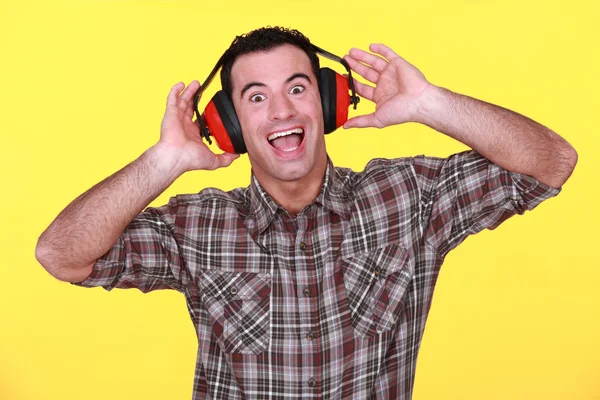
<point x="288" y="80"/>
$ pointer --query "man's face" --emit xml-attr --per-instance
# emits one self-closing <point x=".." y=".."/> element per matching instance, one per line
<point x="276" y="98"/>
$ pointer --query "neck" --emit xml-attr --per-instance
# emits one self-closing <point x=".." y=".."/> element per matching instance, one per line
<point x="295" y="195"/>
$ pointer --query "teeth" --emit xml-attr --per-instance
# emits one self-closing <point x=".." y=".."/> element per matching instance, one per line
<point x="286" y="133"/>
<point x="291" y="149"/>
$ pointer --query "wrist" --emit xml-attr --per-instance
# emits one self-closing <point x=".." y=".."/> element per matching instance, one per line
<point x="167" y="159"/>
<point x="431" y="105"/>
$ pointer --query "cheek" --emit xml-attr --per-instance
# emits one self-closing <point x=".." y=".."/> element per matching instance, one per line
<point x="245" y="121"/>
<point x="250" y="124"/>
<point x="315" y="109"/>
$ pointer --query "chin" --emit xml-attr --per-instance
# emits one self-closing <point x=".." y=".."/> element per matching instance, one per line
<point x="290" y="174"/>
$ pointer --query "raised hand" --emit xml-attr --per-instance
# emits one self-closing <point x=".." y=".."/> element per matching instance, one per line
<point x="180" y="136"/>
<point x="398" y="86"/>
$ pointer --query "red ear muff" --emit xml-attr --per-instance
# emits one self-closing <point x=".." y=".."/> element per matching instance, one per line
<point x="328" y="98"/>
<point x="342" y="102"/>
<point x="222" y="123"/>
<point x="335" y="99"/>
<point x="220" y="120"/>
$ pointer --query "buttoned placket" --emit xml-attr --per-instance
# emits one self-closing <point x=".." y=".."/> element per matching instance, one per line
<point x="307" y="306"/>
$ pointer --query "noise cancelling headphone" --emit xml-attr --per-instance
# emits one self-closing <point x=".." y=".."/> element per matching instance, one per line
<point x="220" y="120"/>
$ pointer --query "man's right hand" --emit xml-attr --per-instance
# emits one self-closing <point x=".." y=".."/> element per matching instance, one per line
<point x="180" y="138"/>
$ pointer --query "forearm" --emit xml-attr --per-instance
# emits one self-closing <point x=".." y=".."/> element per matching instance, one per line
<point x="506" y="138"/>
<point x="92" y="223"/>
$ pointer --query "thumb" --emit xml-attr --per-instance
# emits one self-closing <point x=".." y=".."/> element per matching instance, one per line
<point x="363" y="121"/>
<point x="224" y="160"/>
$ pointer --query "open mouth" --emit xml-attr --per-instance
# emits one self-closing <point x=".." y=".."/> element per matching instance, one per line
<point x="287" y="140"/>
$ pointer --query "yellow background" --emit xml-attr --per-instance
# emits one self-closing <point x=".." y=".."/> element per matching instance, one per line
<point x="84" y="83"/>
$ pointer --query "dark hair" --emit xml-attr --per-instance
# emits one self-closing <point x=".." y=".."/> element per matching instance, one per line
<point x="264" y="39"/>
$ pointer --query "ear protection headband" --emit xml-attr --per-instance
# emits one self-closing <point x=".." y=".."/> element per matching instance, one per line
<point x="220" y="120"/>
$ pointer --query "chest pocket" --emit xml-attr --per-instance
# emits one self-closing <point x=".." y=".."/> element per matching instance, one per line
<point x="375" y="284"/>
<point x="238" y="305"/>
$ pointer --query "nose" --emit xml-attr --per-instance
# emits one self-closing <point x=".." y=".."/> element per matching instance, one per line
<point x="281" y="108"/>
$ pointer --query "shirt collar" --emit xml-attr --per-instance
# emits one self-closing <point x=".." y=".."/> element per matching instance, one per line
<point x="263" y="208"/>
<point x="332" y="195"/>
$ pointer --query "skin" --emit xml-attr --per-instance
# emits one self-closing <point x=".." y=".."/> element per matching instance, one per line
<point x="89" y="226"/>
<point x="285" y="95"/>
<point x="510" y="140"/>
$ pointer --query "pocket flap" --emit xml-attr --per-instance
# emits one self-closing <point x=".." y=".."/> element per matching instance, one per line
<point x="236" y="285"/>
<point x="364" y="268"/>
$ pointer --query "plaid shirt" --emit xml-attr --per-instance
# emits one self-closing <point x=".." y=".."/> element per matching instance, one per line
<point x="331" y="303"/>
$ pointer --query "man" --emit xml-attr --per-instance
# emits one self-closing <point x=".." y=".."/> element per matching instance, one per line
<point x="315" y="281"/>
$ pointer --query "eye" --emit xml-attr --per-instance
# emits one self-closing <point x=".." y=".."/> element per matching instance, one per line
<point x="297" y="89"/>
<point x="257" y="98"/>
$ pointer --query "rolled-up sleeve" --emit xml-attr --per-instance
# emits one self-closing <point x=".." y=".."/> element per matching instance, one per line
<point x="146" y="256"/>
<point x="466" y="193"/>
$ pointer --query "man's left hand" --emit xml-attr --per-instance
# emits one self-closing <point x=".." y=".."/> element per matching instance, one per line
<point x="399" y="86"/>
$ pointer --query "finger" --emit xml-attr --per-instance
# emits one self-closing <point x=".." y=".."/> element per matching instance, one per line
<point x="172" y="97"/>
<point x="363" y="70"/>
<point x="188" y="93"/>
<point x="188" y="96"/>
<point x="374" y="61"/>
<point x="224" y="160"/>
<point x="385" y="51"/>
<point x="363" y="121"/>
<point x="363" y="90"/>
<point x="189" y="112"/>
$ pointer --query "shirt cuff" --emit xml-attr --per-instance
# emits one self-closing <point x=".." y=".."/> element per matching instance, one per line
<point x="532" y="191"/>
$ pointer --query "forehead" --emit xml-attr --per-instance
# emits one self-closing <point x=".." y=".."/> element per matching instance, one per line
<point x="270" y="67"/>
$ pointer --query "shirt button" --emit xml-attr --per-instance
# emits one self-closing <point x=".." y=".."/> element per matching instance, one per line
<point x="377" y="271"/>
<point x="310" y="336"/>
<point x="233" y="290"/>
<point x="302" y="246"/>
<point x="306" y="292"/>
<point x="312" y="382"/>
